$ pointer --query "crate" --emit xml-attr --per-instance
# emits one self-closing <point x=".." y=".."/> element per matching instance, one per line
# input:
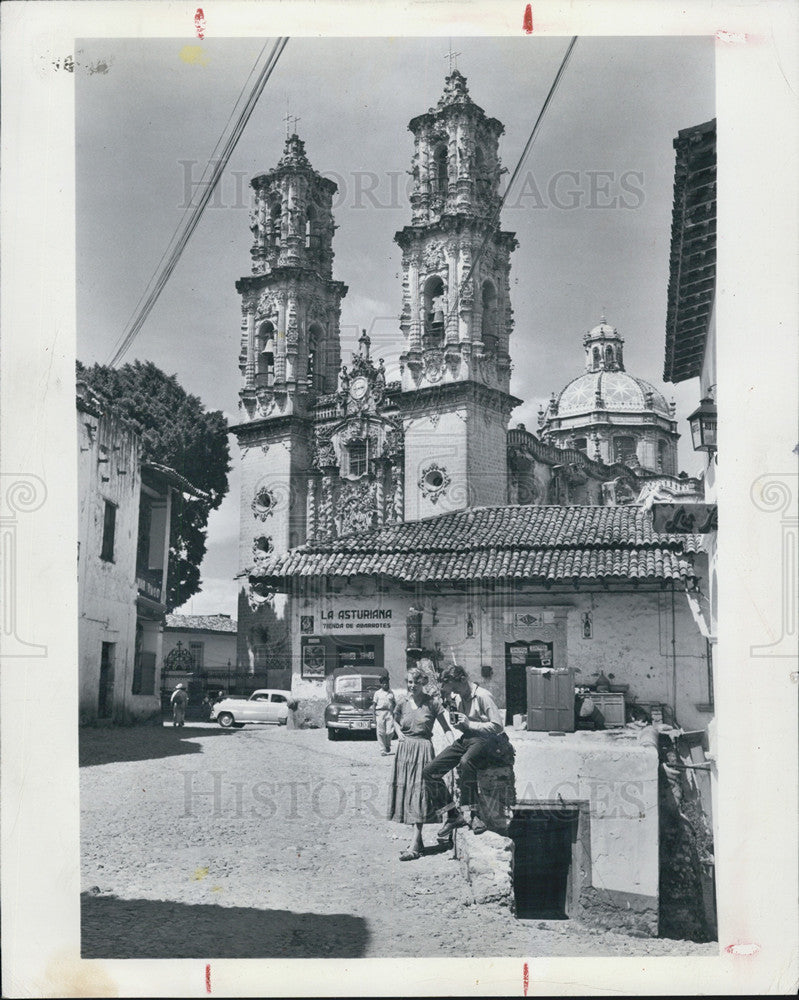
<point x="610" y="704"/>
<point x="550" y="700"/>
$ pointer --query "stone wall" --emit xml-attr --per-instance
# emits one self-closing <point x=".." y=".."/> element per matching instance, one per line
<point x="486" y="864"/>
<point x="612" y="778"/>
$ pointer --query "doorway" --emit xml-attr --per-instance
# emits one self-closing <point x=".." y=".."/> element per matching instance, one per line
<point x="359" y="651"/>
<point x="519" y="656"/>
<point x="545" y="877"/>
<point x="105" y="703"/>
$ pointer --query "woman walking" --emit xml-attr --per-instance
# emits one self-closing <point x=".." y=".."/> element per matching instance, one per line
<point x="410" y="800"/>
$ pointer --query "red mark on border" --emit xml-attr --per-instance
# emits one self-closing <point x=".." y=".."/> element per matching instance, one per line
<point x="732" y="37"/>
<point x="527" y="24"/>
<point x="743" y="950"/>
<point x="526" y="973"/>
<point x="208" y="978"/>
<point x="199" y="23"/>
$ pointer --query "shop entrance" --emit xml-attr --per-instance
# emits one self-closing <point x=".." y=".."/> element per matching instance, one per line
<point x="322" y="654"/>
<point x="519" y="656"/>
<point x="359" y="651"/>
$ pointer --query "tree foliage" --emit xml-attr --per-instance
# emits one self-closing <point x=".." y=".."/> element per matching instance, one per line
<point x="177" y="431"/>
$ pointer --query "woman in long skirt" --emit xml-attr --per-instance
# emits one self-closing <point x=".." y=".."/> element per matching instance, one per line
<point x="410" y="800"/>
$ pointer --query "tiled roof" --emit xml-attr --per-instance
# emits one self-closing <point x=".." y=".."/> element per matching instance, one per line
<point x="541" y="544"/>
<point x="692" y="271"/>
<point x="204" y="623"/>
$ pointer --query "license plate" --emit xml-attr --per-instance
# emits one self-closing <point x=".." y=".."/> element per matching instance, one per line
<point x="360" y="725"/>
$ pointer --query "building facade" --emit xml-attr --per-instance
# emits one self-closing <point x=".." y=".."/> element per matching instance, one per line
<point x="330" y="453"/>
<point x="610" y="414"/>
<point x="124" y="509"/>
<point x="201" y="647"/>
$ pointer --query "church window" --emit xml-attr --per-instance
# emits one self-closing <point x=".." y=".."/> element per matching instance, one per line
<point x="266" y="354"/>
<point x="315" y="375"/>
<point x="275" y="215"/>
<point x="264" y="503"/>
<point x="664" y="465"/>
<point x="623" y="448"/>
<point x="608" y="355"/>
<point x="481" y="178"/>
<point x="440" y="178"/>
<point x="596" y="356"/>
<point x="581" y="444"/>
<point x="357" y="458"/>
<point x="310" y="225"/>
<point x="434" y="311"/>
<point x="489" y="324"/>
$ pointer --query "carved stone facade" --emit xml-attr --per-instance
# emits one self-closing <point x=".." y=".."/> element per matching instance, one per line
<point x="329" y="450"/>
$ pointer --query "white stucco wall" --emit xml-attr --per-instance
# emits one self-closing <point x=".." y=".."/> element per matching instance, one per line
<point x="218" y="647"/>
<point x="618" y="777"/>
<point x="631" y="637"/>
<point x="106" y="590"/>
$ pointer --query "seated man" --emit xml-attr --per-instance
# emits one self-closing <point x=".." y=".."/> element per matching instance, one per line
<point x="479" y="720"/>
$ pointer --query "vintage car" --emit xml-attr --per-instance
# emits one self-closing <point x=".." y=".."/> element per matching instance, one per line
<point x="263" y="705"/>
<point x="350" y="693"/>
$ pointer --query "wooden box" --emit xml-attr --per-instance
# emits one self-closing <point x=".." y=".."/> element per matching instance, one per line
<point x="550" y="700"/>
<point x="610" y="705"/>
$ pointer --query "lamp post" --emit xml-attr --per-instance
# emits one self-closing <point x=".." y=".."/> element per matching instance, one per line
<point x="704" y="421"/>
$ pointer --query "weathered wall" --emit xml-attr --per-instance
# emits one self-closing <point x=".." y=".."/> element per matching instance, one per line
<point x="274" y="459"/>
<point x="631" y="637"/>
<point x="218" y="647"/>
<point x="440" y="441"/>
<point x="108" y="469"/>
<point x="617" y="775"/>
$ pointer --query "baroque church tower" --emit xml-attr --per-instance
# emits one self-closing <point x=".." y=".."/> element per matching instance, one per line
<point x="290" y="356"/>
<point x="456" y="315"/>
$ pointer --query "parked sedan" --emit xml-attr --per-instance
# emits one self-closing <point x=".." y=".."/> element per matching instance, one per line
<point x="263" y="705"/>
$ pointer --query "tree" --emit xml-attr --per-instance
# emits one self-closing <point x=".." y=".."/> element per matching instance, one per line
<point x="177" y="431"/>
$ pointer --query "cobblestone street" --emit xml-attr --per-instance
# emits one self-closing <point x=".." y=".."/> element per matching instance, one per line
<point x="265" y="842"/>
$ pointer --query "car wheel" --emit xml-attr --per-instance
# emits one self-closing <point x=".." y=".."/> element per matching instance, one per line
<point x="282" y="722"/>
<point x="225" y="720"/>
<point x="333" y="734"/>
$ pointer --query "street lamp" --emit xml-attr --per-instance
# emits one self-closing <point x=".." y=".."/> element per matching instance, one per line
<point x="703" y="423"/>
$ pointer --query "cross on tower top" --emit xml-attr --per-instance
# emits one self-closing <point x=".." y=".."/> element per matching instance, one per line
<point x="452" y="56"/>
<point x="287" y="118"/>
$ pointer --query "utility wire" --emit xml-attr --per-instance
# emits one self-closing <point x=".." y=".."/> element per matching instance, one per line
<point x="187" y="227"/>
<point x="190" y="206"/>
<point x="525" y="152"/>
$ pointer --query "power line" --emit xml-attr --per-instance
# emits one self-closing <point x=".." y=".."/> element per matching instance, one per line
<point x="190" y="207"/>
<point x="186" y="228"/>
<point x="525" y="152"/>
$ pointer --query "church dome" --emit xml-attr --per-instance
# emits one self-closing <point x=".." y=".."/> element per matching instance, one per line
<point x="617" y="390"/>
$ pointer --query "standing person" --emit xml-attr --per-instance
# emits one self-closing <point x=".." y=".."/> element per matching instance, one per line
<point x="179" y="701"/>
<point x="411" y="799"/>
<point x="384" y="704"/>
<point x="479" y="721"/>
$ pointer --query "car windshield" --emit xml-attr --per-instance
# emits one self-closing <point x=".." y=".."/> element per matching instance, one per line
<point x="352" y="683"/>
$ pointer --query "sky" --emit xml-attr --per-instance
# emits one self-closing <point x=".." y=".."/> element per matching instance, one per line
<point x="591" y="207"/>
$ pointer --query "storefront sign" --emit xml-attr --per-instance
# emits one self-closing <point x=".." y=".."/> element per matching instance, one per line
<point x="355" y="619"/>
<point x="685" y="518"/>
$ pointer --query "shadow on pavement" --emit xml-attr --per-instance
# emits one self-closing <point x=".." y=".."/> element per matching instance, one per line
<point x="144" y="928"/>
<point x="107" y="746"/>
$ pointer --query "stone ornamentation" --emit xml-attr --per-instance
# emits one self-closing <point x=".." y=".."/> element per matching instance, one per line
<point x="433" y="482"/>
<point x="263" y="504"/>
